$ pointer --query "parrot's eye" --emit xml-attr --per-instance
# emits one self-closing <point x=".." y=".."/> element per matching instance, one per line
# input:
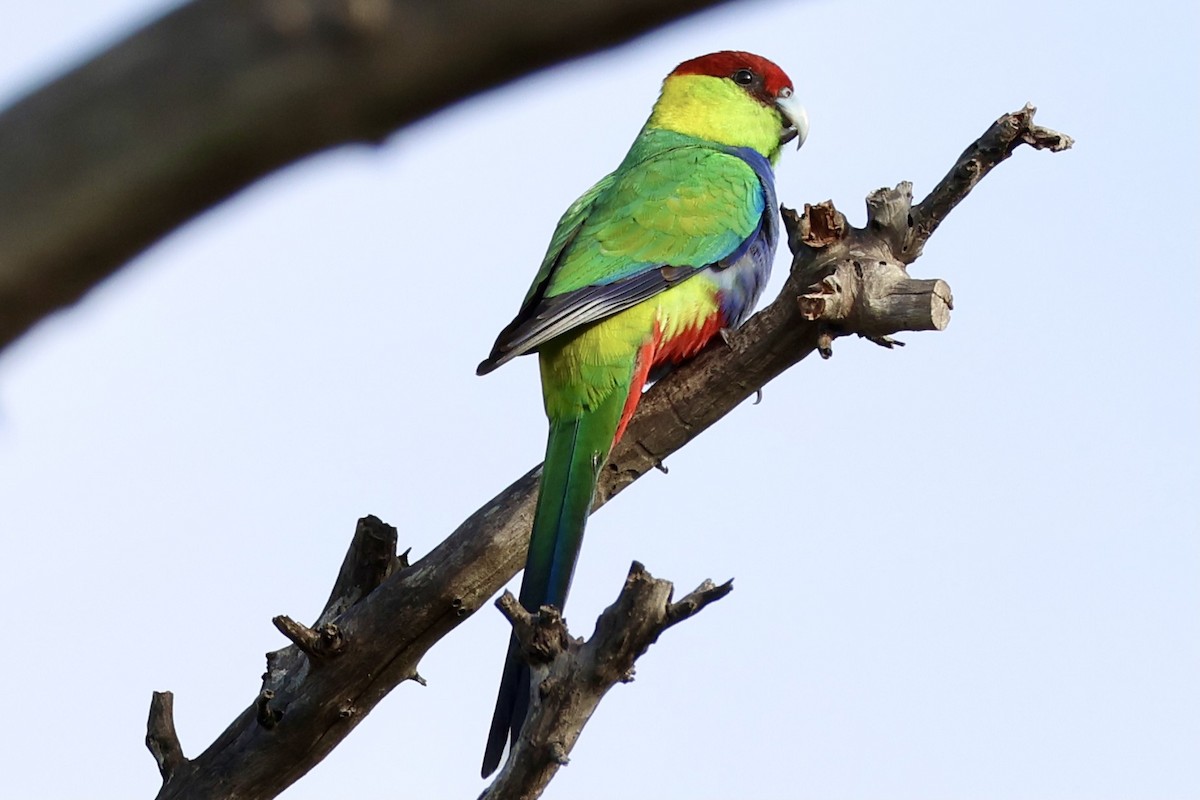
<point x="743" y="77"/>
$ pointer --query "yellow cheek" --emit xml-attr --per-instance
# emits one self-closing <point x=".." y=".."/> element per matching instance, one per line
<point x="715" y="110"/>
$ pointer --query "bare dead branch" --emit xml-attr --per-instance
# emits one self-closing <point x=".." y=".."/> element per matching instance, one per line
<point x="570" y="676"/>
<point x="102" y="162"/>
<point x="390" y="623"/>
<point x="161" y="737"/>
<point x="996" y="144"/>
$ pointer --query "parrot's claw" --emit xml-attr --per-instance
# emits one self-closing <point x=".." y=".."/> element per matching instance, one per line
<point x="884" y="341"/>
<point x="726" y="336"/>
<point x="757" y="397"/>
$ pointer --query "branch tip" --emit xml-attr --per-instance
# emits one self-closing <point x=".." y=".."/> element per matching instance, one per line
<point x="695" y="601"/>
<point x="996" y="144"/>
<point x="511" y="609"/>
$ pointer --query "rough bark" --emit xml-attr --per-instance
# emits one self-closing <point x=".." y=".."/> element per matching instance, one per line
<point x="102" y="162"/>
<point x="384" y="614"/>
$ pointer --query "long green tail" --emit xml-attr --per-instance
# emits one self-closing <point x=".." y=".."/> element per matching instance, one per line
<point x="575" y="451"/>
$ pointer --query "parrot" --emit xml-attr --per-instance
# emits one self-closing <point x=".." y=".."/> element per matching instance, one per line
<point x="672" y="248"/>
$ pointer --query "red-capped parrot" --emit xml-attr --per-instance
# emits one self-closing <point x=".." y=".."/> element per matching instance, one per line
<point x="642" y="271"/>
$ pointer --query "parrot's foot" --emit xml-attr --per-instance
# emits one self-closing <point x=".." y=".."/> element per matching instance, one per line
<point x="884" y="341"/>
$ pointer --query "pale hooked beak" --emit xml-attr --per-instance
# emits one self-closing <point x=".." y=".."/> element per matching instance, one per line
<point x="794" y="113"/>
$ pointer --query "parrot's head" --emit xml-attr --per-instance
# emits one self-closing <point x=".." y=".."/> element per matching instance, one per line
<point x="733" y="98"/>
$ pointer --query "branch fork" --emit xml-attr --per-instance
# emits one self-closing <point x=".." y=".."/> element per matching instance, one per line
<point x="370" y="560"/>
<point x="858" y="280"/>
<point x="569" y="676"/>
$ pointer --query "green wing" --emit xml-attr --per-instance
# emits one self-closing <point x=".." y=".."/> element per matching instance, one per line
<point x="686" y="207"/>
<point x="649" y="225"/>
<point x="564" y="233"/>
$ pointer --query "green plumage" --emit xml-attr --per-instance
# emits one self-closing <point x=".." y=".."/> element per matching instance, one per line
<point x="674" y="206"/>
<point x="643" y="269"/>
<point x="575" y="451"/>
<point x="673" y="201"/>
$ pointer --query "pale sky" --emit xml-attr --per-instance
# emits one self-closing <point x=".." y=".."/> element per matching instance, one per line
<point x="968" y="568"/>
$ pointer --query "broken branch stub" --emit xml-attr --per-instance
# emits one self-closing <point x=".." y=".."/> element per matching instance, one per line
<point x="854" y="280"/>
<point x="161" y="737"/>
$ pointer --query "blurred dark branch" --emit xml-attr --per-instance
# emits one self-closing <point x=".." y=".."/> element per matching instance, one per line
<point x="384" y="614"/>
<point x="107" y="159"/>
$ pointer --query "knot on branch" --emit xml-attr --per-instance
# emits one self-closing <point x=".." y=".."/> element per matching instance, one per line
<point x="265" y="711"/>
<point x="323" y="642"/>
<point x="543" y="635"/>
<point x="819" y="226"/>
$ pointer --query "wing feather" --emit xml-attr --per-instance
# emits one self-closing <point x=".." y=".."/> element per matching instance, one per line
<point x="644" y="228"/>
